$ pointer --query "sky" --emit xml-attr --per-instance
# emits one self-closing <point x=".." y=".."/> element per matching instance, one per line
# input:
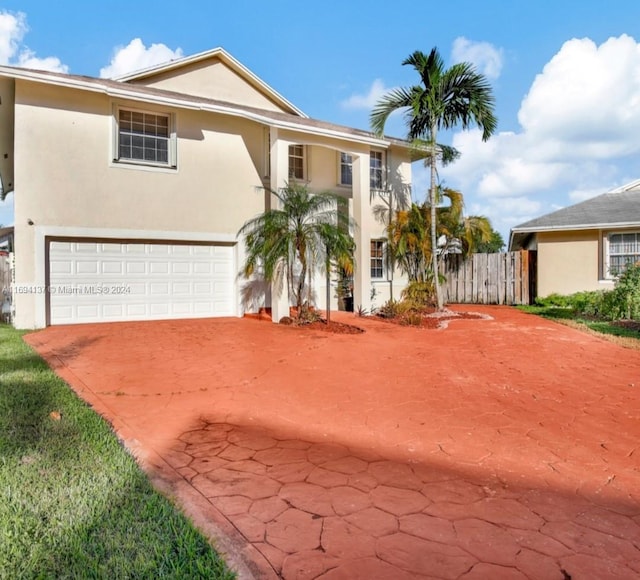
<point x="565" y="76"/>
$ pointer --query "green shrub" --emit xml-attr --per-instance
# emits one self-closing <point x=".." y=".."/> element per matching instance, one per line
<point x="621" y="302"/>
<point x="557" y="300"/>
<point x="592" y="303"/>
<point x="411" y="317"/>
<point x="420" y="293"/>
<point x="624" y="299"/>
<point x="390" y="309"/>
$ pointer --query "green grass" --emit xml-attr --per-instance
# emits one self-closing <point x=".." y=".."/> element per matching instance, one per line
<point x="73" y="502"/>
<point x="562" y="314"/>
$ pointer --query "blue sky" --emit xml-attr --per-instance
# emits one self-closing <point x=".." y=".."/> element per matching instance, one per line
<point x="566" y="75"/>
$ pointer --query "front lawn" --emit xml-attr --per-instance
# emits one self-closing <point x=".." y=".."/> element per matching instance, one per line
<point x="73" y="502"/>
<point x="624" y="333"/>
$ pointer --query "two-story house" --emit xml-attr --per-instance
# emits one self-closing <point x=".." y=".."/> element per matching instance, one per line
<point x="129" y="193"/>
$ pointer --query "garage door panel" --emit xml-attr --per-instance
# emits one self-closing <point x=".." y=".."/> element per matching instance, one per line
<point x="112" y="310"/>
<point x="87" y="267"/>
<point x="181" y="288"/>
<point x="181" y="267"/>
<point x="136" y="267"/>
<point x="61" y="267"/>
<point x="135" y="310"/>
<point x="86" y="248"/>
<point x="112" y="267"/>
<point x="159" y="268"/>
<point x="159" y="281"/>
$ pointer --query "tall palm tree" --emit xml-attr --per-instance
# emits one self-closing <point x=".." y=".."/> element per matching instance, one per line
<point x="289" y="242"/>
<point x="445" y="99"/>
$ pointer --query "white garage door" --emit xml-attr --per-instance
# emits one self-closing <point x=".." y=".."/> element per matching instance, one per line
<point x="105" y="282"/>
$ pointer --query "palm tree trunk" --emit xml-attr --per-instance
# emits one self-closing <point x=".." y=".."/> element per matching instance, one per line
<point x="434" y="236"/>
<point x="328" y="290"/>
<point x="301" y="280"/>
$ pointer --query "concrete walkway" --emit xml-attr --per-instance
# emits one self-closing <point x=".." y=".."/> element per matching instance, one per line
<point x="501" y="448"/>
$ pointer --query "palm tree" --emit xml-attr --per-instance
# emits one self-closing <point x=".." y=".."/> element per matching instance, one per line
<point x="289" y="242"/>
<point x="494" y="245"/>
<point x="338" y="254"/>
<point x="409" y="242"/>
<point x="445" y="98"/>
<point x="454" y="228"/>
<point x="410" y="238"/>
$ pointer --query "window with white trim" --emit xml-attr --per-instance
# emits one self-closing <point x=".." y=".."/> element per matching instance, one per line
<point x="297" y="162"/>
<point x="377" y="259"/>
<point x="346" y="169"/>
<point x="145" y="137"/>
<point x="376" y="169"/>
<point x="623" y="250"/>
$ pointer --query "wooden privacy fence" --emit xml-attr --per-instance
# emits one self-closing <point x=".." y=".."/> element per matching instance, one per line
<point x="507" y="278"/>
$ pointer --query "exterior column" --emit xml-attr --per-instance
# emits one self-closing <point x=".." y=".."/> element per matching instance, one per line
<point x="279" y="173"/>
<point x="362" y="217"/>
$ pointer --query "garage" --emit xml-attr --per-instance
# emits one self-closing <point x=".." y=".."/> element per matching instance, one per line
<point x="108" y="281"/>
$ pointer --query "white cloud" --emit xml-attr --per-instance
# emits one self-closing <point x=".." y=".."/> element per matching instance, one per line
<point x="28" y="59"/>
<point x="136" y="56"/>
<point x="13" y="28"/>
<point x="587" y="97"/>
<point x="487" y="59"/>
<point x="368" y="100"/>
<point x="579" y="128"/>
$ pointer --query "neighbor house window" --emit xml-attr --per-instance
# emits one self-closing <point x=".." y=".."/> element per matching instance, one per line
<point x="377" y="258"/>
<point x="144" y="137"/>
<point x="376" y="169"/>
<point x="346" y="169"/>
<point x="296" y="161"/>
<point x="624" y="249"/>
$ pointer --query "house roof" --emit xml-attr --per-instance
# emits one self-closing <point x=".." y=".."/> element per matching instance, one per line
<point x="218" y="54"/>
<point x="619" y="207"/>
<point x="141" y="93"/>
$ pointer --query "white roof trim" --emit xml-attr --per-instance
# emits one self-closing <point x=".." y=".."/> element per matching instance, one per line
<point x="227" y="59"/>
<point x="566" y="228"/>
<point x="628" y="187"/>
<point x="129" y="92"/>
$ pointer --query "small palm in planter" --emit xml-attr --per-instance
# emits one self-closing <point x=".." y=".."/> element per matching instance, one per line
<point x="305" y="232"/>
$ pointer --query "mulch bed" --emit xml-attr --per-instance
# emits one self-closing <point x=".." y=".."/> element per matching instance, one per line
<point x="628" y="324"/>
<point x="334" y="327"/>
<point x="431" y="319"/>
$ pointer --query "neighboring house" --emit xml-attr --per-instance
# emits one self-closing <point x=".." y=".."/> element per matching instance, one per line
<point x="129" y="193"/>
<point x="584" y="246"/>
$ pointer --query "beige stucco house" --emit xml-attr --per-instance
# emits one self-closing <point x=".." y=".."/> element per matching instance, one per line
<point x="584" y="246"/>
<point x="129" y="193"/>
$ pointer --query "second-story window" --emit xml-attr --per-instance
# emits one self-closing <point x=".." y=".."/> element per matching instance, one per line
<point x="376" y="169"/>
<point x="146" y="138"/>
<point x="346" y="169"/>
<point x="296" y="161"/>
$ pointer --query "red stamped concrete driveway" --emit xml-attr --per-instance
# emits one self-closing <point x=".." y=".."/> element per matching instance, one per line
<point x="499" y="448"/>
